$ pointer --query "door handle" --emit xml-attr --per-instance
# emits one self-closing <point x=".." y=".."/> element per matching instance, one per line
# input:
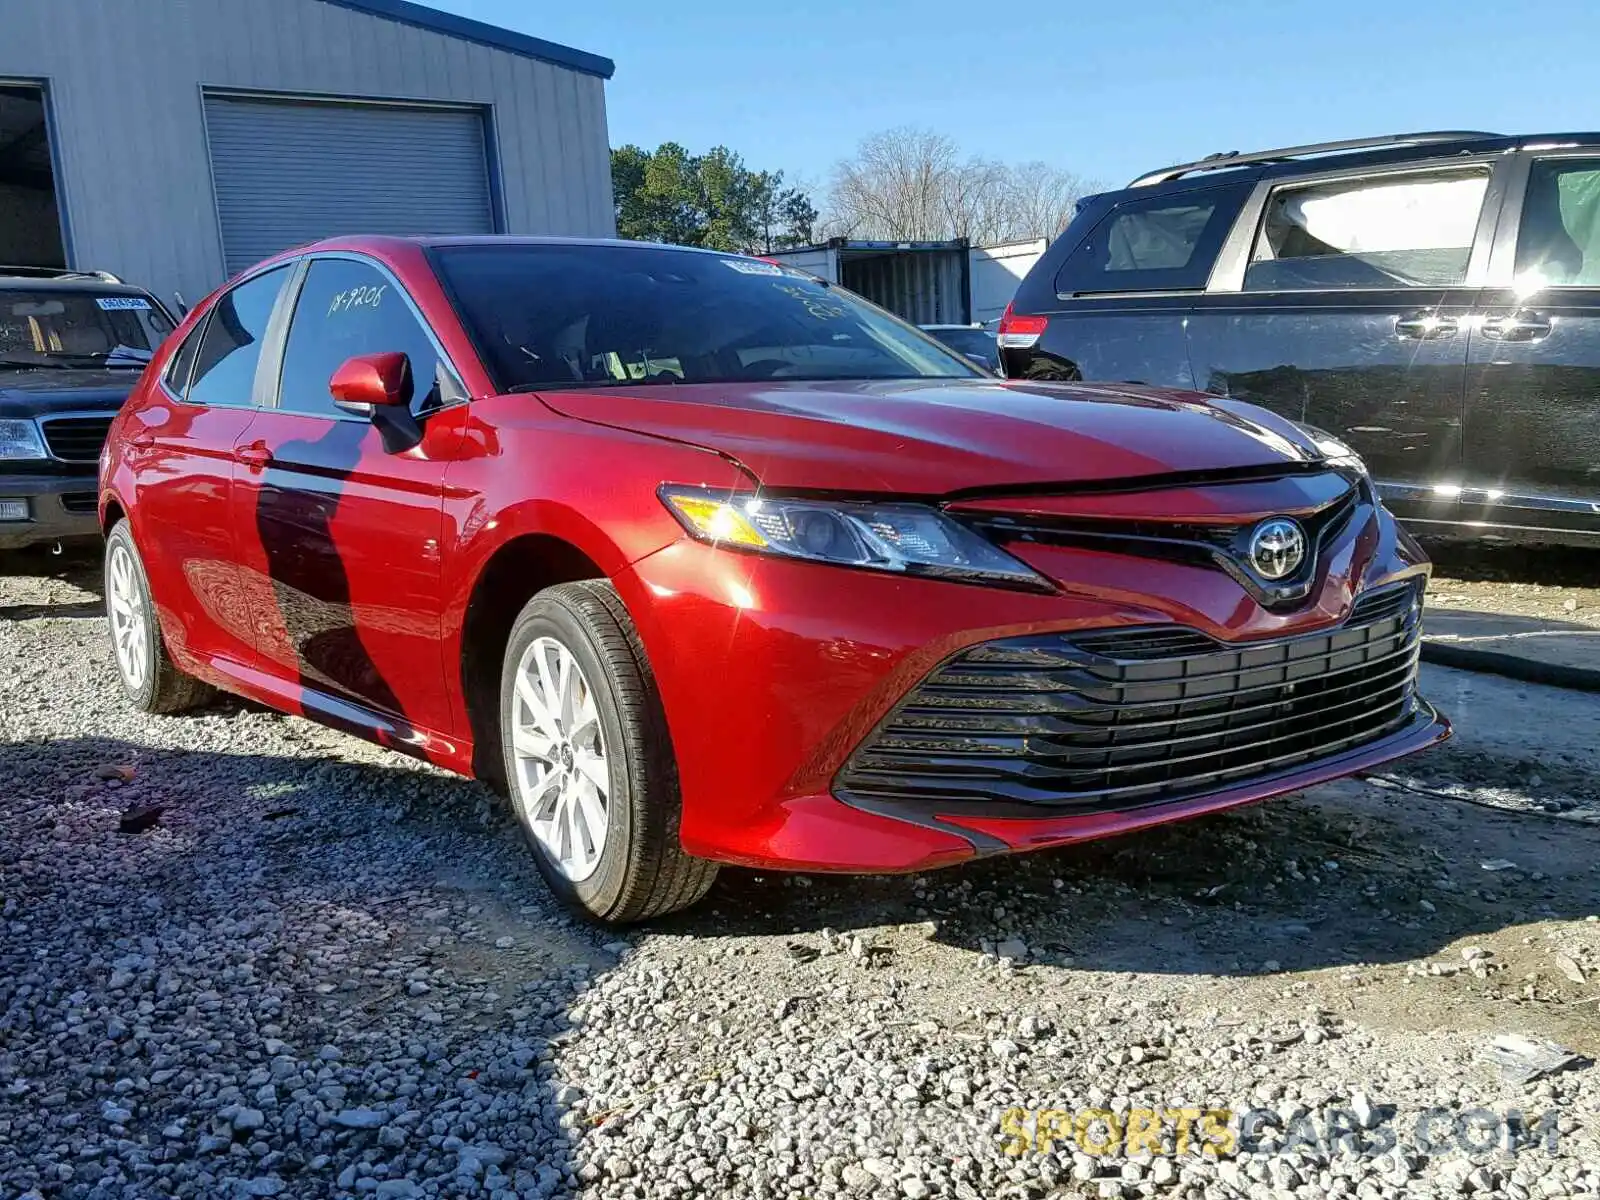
<point x="142" y="440"/>
<point x="1424" y="326"/>
<point x="255" y="455"/>
<point x="1518" y="327"/>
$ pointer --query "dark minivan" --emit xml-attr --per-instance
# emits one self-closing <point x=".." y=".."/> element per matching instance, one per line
<point x="1432" y="299"/>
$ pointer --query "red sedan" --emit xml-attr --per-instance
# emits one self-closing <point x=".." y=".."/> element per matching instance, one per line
<point x="705" y="561"/>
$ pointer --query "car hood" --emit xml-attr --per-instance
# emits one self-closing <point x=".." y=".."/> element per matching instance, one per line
<point x="37" y="393"/>
<point x="934" y="437"/>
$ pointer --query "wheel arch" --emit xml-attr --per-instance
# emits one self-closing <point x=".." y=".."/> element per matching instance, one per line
<point x="112" y="510"/>
<point x="517" y="569"/>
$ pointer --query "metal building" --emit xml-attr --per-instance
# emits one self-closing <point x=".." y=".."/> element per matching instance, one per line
<point x="175" y="141"/>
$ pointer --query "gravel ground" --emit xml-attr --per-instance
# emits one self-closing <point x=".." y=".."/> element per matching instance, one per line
<point x="312" y="968"/>
<point x="1552" y="582"/>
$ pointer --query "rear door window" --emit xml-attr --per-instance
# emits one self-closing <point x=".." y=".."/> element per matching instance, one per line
<point x="1408" y="230"/>
<point x="1163" y="243"/>
<point x="230" y="350"/>
<point x="1558" y="244"/>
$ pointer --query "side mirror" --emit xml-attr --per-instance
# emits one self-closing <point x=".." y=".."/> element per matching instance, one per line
<point x="378" y="387"/>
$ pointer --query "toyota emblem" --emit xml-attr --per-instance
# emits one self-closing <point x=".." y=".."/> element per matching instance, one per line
<point x="1277" y="548"/>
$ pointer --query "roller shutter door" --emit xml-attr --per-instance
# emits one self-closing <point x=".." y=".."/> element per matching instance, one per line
<point x="290" y="172"/>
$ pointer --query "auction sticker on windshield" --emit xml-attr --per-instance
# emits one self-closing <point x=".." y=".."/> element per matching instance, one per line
<point x="121" y="303"/>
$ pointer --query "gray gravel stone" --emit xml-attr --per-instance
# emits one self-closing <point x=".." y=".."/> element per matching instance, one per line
<point x="362" y="1118"/>
<point x="314" y="1001"/>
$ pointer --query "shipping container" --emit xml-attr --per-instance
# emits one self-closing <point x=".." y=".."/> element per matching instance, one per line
<point x="924" y="282"/>
<point x="927" y="283"/>
<point x="996" y="271"/>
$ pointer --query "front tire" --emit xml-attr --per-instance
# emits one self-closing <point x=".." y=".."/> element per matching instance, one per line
<point x="589" y="766"/>
<point x="148" y="676"/>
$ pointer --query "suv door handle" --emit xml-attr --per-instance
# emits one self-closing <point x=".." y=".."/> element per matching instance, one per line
<point x="1518" y="327"/>
<point x="1424" y="326"/>
<point x="255" y="455"/>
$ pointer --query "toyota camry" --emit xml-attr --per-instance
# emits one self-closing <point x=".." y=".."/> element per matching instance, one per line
<point x="701" y="560"/>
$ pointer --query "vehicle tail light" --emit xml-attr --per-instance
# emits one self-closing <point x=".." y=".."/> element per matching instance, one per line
<point x="1020" y="333"/>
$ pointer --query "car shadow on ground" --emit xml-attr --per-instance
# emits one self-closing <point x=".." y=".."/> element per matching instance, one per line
<point x="325" y="889"/>
<point x="1348" y="874"/>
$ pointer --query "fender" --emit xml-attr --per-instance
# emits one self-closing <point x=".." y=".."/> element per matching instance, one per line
<point x="572" y="490"/>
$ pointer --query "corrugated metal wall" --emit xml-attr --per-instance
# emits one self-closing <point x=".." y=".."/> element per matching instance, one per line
<point x="926" y="287"/>
<point x="125" y="79"/>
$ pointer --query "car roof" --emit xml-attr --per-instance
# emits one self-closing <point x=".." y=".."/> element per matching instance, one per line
<point x="68" y="283"/>
<point x="1232" y="166"/>
<point x="382" y="242"/>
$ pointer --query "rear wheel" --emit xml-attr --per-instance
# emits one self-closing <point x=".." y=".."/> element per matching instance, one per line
<point x="589" y="766"/>
<point x="148" y="675"/>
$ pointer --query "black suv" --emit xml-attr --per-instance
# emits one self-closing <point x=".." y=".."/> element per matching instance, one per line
<point x="1433" y="299"/>
<point x="72" y="345"/>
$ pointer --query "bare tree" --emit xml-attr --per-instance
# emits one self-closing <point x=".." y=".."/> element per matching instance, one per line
<point x="1040" y="200"/>
<point x="894" y="188"/>
<point x="911" y="184"/>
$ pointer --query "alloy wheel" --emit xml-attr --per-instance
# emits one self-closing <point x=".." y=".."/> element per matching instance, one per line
<point x="125" y="605"/>
<point x="562" y="781"/>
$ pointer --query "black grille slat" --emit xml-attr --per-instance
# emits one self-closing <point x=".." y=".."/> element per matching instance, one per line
<point x="1396" y="677"/>
<point x="75" y="439"/>
<point x="1138" y="644"/>
<point x="1089" y="721"/>
<point x="80" y="502"/>
<point x="936" y="695"/>
<point x="1041" y="766"/>
<point x="1095" y="800"/>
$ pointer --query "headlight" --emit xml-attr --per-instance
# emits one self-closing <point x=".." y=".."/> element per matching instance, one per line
<point x="20" y="439"/>
<point x="909" y="539"/>
<point x="1331" y="448"/>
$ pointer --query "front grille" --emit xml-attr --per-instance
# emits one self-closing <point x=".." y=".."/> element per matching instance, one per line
<point x="75" y="439"/>
<point x="1112" y="719"/>
<point x="1218" y="545"/>
<point x="80" y="502"/>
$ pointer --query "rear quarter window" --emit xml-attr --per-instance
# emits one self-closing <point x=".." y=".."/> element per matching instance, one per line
<point x="1159" y="243"/>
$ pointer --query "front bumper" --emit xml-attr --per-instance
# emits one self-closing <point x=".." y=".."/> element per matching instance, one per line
<point x="61" y="508"/>
<point x="774" y="673"/>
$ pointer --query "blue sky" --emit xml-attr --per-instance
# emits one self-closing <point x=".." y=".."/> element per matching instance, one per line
<point x="1107" y="90"/>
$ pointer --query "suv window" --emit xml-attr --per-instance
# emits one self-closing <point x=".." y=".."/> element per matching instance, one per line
<point x="230" y="349"/>
<point x="75" y="328"/>
<point x="547" y="316"/>
<point x="348" y="308"/>
<point x="1164" y="243"/>
<point x="1410" y="230"/>
<point x="1559" y="242"/>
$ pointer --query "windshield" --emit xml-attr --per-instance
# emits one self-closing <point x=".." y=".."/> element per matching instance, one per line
<point x="548" y="316"/>
<point x="60" y="328"/>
